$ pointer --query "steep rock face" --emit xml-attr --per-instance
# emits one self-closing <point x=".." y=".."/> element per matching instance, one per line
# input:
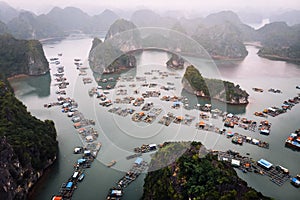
<point x="7" y="12"/>
<point x="111" y="55"/>
<point x="28" y="146"/>
<point x="29" y="26"/>
<point x="222" y="41"/>
<point x="3" y="28"/>
<point x="119" y="26"/>
<point x="280" y="41"/>
<point x="224" y="91"/>
<point x="37" y="62"/>
<point x="22" y="57"/>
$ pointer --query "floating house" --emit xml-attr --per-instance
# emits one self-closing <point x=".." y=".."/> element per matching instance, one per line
<point x="265" y="164"/>
<point x="293" y="141"/>
<point x="152" y="147"/>
<point x="75" y="175"/>
<point x="295" y="181"/>
<point x="69" y="185"/>
<point x="81" y="161"/>
<point x="138" y="161"/>
<point x="235" y="163"/>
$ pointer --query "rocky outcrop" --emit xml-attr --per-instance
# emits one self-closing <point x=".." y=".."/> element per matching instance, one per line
<point x="23" y="57"/>
<point x="222" y="41"/>
<point x="27" y="146"/>
<point x="16" y="180"/>
<point x="112" y="55"/>
<point x="175" y="62"/>
<point x="223" y="91"/>
<point x="280" y="42"/>
<point x="186" y="170"/>
<point x="37" y="62"/>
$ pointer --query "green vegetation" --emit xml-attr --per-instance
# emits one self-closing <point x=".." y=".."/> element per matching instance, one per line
<point x="21" y="57"/>
<point x="105" y="57"/>
<point x="111" y="55"/>
<point x="192" y="177"/>
<point x="33" y="140"/>
<point x="280" y="41"/>
<point x="214" y="88"/>
<point x="222" y="41"/>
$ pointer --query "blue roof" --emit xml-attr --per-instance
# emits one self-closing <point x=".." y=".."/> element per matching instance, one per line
<point x="69" y="184"/>
<point x="176" y="103"/>
<point x="296" y="143"/>
<point x="265" y="163"/>
<point x="81" y="160"/>
<point x="295" y="180"/>
<point x="138" y="161"/>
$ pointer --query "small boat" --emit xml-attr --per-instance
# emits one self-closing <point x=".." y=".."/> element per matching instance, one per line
<point x="57" y="198"/>
<point x="296" y="181"/>
<point x="81" y="177"/>
<point x="111" y="163"/>
<point x="257" y="89"/>
<point x="230" y="134"/>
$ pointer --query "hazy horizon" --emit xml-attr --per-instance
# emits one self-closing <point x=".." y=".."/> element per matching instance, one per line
<point x="193" y="6"/>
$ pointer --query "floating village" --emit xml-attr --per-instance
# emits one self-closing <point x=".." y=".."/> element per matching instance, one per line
<point x="137" y="99"/>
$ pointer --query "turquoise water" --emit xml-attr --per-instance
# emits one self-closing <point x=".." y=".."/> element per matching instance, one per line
<point x="120" y="135"/>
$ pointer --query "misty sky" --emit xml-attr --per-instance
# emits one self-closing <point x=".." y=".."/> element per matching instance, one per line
<point x="201" y="5"/>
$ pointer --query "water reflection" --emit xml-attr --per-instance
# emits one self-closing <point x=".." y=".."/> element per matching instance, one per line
<point x="32" y="85"/>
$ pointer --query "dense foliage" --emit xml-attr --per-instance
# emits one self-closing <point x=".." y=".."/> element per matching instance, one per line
<point x="192" y="177"/>
<point x="21" y="57"/>
<point x="222" y="41"/>
<point x="222" y="90"/>
<point x="33" y="140"/>
<point x="280" y="41"/>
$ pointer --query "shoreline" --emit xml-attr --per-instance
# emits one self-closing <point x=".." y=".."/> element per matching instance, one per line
<point x="279" y="58"/>
<point x="18" y="76"/>
<point x="45" y="174"/>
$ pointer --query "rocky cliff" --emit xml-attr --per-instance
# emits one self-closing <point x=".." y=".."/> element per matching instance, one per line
<point x="21" y="57"/>
<point x="222" y="41"/>
<point x="224" y="91"/>
<point x="280" y="41"/>
<point x="111" y="55"/>
<point x="27" y="146"/>
<point x="194" y="175"/>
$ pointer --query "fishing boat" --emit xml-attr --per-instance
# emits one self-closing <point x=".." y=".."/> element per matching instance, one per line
<point x="111" y="163"/>
<point x="230" y="134"/>
<point x="296" y="181"/>
<point x="81" y="177"/>
<point x="257" y="89"/>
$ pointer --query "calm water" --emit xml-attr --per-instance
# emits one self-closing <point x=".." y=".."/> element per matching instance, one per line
<point x="120" y="135"/>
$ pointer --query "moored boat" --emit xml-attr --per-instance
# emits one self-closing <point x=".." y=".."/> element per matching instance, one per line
<point x="257" y="89"/>
<point x="111" y="163"/>
<point x="81" y="177"/>
<point x="295" y="181"/>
